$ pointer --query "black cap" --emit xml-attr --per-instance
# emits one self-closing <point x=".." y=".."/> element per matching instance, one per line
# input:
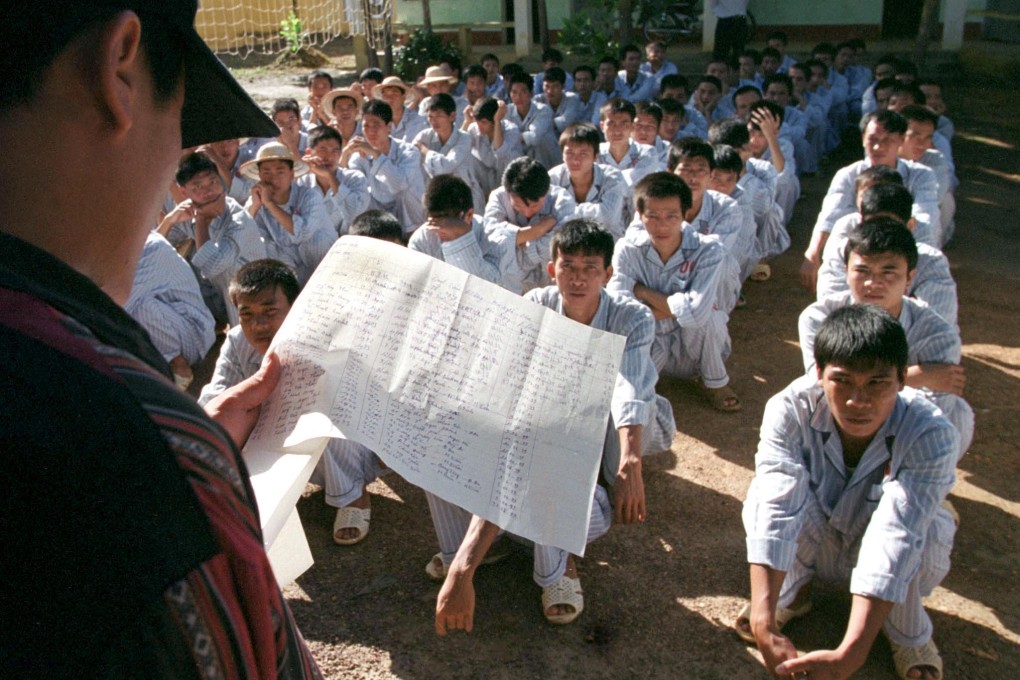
<point x="216" y="107"/>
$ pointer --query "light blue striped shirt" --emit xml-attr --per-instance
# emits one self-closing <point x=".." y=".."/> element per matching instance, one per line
<point x="166" y="300"/>
<point x="886" y="504"/>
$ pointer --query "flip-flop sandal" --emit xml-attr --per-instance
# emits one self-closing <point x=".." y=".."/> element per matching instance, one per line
<point x="783" y="616"/>
<point x="718" y="396"/>
<point x="907" y="658"/>
<point x="565" y="592"/>
<point x="351" y="518"/>
<point x="761" y="272"/>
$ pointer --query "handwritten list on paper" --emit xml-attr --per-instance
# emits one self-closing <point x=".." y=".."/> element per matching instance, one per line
<point x="490" y="401"/>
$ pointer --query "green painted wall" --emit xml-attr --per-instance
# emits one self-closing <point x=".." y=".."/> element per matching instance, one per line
<point x="768" y="12"/>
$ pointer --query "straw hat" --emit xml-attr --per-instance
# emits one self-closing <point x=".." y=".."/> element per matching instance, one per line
<point x="390" y="81"/>
<point x="273" y="151"/>
<point x="437" y="74"/>
<point x="327" y="101"/>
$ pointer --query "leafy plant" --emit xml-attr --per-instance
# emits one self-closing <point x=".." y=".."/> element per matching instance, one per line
<point x="591" y="32"/>
<point x="292" y="32"/>
<point x="423" y="49"/>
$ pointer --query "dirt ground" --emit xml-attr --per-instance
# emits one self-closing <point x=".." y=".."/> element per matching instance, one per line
<point x="660" y="596"/>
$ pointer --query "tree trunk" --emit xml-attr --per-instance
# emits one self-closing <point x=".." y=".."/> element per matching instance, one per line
<point x="925" y="31"/>
<point x="625" y="11"/>
<point x="543" y="24"/>
<point x="426" y="16"/>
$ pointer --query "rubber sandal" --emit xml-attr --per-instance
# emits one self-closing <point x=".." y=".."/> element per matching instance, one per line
<point x="565" y="592"/>
<point x="783" y="616"/>
<point x="351" y="518"/>
<point x="761" y="272"/>
<point x="907" y="658"/>
<point x="717" y="397"/>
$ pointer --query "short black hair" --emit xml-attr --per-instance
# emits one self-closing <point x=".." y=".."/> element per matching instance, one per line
<point x="861" y="337"/>
<point x="447" y="196"/>
<point x="485" y="108"/>
<point x="378" y="108"/>
<point x="778" y="35"/>
<point x="775" y="108"/>
<point x="711" y="80"/>
<point x="581" y="133"/>
<point x="729" y="131"/>
<point x="583" y="236"/>
<point x="587" y="69"/>
<point x="260" y="275"/>
<point x="649" y="108"/>
<point x="527" y="178"/>
<point x="746" y="89"/>
<point x="674" y="80"/>
<point x="443" y="102"/>
<point x="192" y="164"/>
<point x="662" y="185"/>
<point x="321" y="133"/>
<point x="286" y="104"/>
<point x="617" y="105"/>
<point x="877" y="174"/>
<point x="377" y="224"/>
<point x="320" y="73"/>
<point x="909" y="89"/>
<point x="672" y="107"/>
<point x="552" y="54"/>
<point x="891" y="121"/>
<point x="454" y="62"/>
<point x="489" y="56"/>
<point x="881" y="236"/>
<point x="727" y="158"/>
<point x="887" y="198"/>
<point x="689" y="147"/>
<point x="754" y="54"/>
<point x="476" y="71"/>
<point x="33" y="40"/>
<point x="813" y="63"/>
<point x="610" y="60"/>
<point x="885" y="84"/>
<point x="771" y="52"/>
<point x="920" y="113"/>
<point x="627" y="49"/>
<point x="511" y="69"/>
<point x="826" y="48"/>
<point x="523" y="78"/>
<point x="372" y="73"/>
<point x="780" y="78"/>
<point x="555" y="74"/>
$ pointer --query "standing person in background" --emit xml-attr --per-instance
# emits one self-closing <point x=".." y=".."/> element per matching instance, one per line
<point x="730" y="28"/>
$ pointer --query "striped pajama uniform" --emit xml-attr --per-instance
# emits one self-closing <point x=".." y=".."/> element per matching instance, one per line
<point x="634" y="402"/>
<point x="700" y="282"/>
<point x="930" y="340"/>
<point x="879" y="526"/>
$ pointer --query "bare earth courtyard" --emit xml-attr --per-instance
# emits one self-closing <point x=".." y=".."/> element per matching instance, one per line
<point x="660" y="597"/>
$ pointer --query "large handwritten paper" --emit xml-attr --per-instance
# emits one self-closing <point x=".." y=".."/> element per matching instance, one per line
<point x="490" y="401"/>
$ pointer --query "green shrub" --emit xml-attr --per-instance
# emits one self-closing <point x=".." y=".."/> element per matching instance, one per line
<point x="293" y="32"/>
<point x="591" y="32"/>
<point x="423" y="49"/>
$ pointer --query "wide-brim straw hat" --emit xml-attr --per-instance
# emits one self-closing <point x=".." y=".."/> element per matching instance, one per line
<point x="273" y="151"/>
<point x="390" y="81"/>
<point x="437" y="74"/>
<point x="333" y="95"/>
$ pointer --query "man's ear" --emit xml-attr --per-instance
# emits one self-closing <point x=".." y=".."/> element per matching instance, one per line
<point x="911" y="223"/>
<point x="910" y="278"/>
<point x="469" y="215"/>
<point x="121" y="71"/>
<point x="551" y="268"/>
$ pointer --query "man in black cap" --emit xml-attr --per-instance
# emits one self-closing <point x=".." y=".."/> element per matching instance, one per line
<point x="130" y="531"/>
